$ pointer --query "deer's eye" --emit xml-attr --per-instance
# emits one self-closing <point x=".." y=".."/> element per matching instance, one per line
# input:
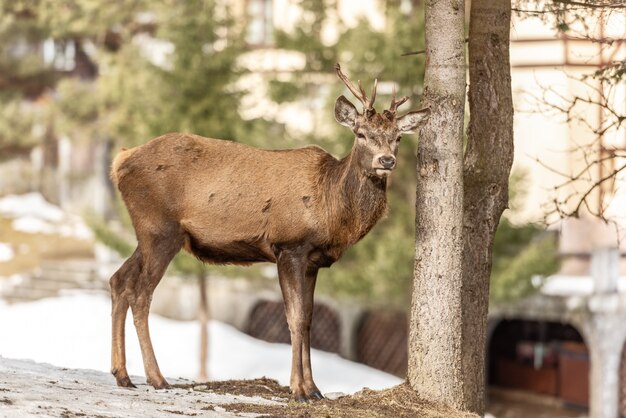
<point x="398" y="139"/>
<point x="360" y="136"/>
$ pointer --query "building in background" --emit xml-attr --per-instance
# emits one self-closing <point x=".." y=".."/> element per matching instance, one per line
<point x="566" y="342"/>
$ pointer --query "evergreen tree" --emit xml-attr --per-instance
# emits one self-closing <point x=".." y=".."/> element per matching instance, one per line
<point x="199" y="92"/>
<point x="520" y="252"/>
<point x="23" y="74"/>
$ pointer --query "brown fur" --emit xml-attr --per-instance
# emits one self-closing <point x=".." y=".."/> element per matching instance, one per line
<point x="117" y="161"/>
<point x="226" y="202"/>
<point x="281" y="197"/>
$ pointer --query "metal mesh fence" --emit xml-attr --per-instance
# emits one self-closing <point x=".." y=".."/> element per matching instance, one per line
<point x="268" y="322"/>
<point x="381" y="337"/>
<point x="382" y="341"/>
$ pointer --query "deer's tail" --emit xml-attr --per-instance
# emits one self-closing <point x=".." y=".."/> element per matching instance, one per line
<point x="117" y="163"/>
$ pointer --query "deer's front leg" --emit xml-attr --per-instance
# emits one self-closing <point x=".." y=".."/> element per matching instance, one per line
<point x="310" y="389"/>
<point x="291" y="275"/>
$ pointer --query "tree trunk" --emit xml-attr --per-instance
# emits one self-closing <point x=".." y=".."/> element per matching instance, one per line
<point x="487" y="165"/>
<point x="203" y="317"/>
<point x="49" y="175"/>
<point x="435" y="344"/>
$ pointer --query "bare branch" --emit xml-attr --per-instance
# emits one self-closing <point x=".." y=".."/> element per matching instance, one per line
<point x="421" y="51"/>
<point x="583" y="202"/>
<point x="594" y="4"/>
<point x="406" y="54"/>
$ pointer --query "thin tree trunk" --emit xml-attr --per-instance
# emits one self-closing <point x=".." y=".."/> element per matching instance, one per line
<point x="435" y="345"/>
<point x="487" y="165"/>
<point x="203" y="317"/>
<point x="48" y="176"/>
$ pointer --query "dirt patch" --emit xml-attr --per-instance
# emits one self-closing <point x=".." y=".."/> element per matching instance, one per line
<point x="169" y="411"/>
<point x="396" y="402"/>
<point x="69" y="414"/>
<point x="263" y="387"/>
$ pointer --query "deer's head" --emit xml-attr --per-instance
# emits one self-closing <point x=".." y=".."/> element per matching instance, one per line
<point x="377" y="135"/>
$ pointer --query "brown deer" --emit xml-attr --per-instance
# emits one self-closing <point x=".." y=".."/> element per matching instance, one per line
<point x="228" y="203"/>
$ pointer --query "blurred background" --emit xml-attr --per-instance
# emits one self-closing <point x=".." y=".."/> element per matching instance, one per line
<point x="79" y="79"/>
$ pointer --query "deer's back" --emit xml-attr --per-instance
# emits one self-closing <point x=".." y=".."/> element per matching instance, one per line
<point x="224" y="194"/>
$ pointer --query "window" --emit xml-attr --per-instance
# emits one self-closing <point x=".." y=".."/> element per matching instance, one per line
<point x="260" y="25"/>
<point x="59" y="55"/>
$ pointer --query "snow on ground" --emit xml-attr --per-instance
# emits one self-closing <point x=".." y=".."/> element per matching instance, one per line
<point x="29" y="389"/>
<point x="9" y="283"/>
<point x="32" y="214"/>
<point x="6" y="252"/>
<point x="74" y="331"/>
<point x="30" y="204"/>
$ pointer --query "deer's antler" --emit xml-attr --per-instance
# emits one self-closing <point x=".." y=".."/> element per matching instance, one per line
<point x="395" y="104"/>
<point x="368" y="104"/>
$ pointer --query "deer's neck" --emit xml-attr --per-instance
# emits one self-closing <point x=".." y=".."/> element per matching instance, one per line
<point x="355" y="201"/>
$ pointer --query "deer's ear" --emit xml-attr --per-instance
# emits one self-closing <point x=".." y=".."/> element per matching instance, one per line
<point x="412" y="120"/>
<point x="345" y="112"/>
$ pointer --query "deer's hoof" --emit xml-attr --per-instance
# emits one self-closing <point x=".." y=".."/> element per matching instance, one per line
<point x="315" y="395"/>
<point x="125" y="382"/>
<point x="159" y="383"/>
<point x="122" y="379"/>
<point x="299" y="396"/>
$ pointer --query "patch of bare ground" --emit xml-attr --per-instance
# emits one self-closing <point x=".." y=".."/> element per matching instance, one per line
<point x="263" y="387"/>
<point x="399" y="401"/>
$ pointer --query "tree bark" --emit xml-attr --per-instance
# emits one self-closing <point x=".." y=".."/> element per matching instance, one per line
<point x="487" y="165"/>
<point x="435" y="344"/>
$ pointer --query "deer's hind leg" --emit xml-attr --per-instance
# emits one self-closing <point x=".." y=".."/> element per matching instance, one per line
<point x="157" y="251"/>
<point x="119" y="308"/>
